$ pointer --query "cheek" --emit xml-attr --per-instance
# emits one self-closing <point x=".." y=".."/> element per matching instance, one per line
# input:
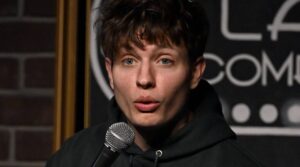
<point x="123" y="84"/>
<point x="175" y="87"/>
<point x="122" y="92"/>
<point x="175" y="81"/>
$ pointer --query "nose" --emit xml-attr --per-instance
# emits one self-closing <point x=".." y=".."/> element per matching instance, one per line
<point x="145" y="78"/>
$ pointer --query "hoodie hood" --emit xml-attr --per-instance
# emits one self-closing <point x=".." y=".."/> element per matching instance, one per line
<point x="207" y="128"/>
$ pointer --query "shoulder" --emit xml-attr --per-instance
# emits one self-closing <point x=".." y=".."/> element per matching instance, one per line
<point x="231" y="152"/>
<point x="82" y="148"/>
<point x="88" y="136"/>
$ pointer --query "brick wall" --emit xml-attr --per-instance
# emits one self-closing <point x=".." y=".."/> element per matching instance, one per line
<point x="27" y="34"/>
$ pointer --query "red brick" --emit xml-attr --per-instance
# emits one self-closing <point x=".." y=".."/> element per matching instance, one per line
<point x="4" y="145"/>
<point x="27" y="37"/>
<point x="30" y="111"/>
<point x="39" y="73"/>
<point x="40" y="8"/>
<point x="33" y="146"/>
<point x="9" y="73"/>
<point x="8" y="7"/>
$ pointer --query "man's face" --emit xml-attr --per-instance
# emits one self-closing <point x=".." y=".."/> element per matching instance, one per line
<point x="151" y="84"/>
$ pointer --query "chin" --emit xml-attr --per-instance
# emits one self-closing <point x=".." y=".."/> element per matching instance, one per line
<point x="147" y="122"/>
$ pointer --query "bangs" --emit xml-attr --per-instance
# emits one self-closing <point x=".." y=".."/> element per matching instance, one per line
<point x="160" y="22"/>
<point x="139" y="25"/>
<point x="149" y="34"/>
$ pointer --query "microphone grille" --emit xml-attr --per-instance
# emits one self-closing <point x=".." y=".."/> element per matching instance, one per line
<point x="119" y="136"/>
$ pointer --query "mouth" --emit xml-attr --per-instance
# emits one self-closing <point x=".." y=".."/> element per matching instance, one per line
<point x="146" y="104"/>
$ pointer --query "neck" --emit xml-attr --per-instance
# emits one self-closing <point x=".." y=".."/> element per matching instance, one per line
<point x="154" y="137"/>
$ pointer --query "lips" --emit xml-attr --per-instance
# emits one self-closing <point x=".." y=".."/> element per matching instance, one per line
<point x="146" y="104"/>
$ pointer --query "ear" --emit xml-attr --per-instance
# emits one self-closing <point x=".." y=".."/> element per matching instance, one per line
<point x="197" y="72"/>
<point x="108" y="66"/>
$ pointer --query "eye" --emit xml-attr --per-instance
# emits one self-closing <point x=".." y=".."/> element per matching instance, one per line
<point x="166" y="61"/>
<point x="128" y="61"/>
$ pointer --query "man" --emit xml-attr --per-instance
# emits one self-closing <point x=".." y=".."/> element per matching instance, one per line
<point x="153" y="52"/>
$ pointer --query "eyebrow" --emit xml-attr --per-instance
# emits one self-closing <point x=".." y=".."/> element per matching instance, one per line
<point x="129" y="47"/>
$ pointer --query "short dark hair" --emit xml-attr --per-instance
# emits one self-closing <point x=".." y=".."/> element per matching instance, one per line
<point x="162" y="22"/>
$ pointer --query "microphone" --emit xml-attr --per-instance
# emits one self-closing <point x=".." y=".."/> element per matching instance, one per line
<point x="118" y="136"/>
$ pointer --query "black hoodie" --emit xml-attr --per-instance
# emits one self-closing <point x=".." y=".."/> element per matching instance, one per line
<point x="206" y="141"/>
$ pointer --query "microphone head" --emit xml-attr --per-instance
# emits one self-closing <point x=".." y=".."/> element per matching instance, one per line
<point x="119" y="136"/>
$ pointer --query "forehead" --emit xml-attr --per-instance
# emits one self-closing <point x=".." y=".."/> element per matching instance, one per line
<point x="140" y="36"/>
<point x="142" y="43"/>
<point x="152" y="47"/>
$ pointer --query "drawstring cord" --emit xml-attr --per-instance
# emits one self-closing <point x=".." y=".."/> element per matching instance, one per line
<point x="158" y="154"/>
<point x="131" y="160"/>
